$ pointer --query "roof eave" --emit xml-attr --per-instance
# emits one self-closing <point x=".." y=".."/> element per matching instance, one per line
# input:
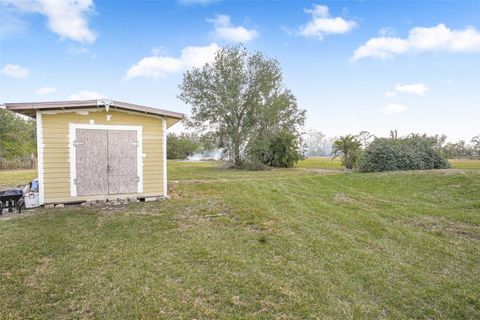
<point x="30" y="108"/>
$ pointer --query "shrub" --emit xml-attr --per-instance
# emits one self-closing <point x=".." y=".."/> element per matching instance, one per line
<point x="349" y="149"/>
<point x="411" y="153"/>
<point x="281" y="150"/>
<point x="181" y="146"/>
<point x="255" y="166"/>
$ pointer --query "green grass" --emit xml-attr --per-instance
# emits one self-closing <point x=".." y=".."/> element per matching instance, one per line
<point x="210" y="170"/>
<point x="16" y="178"/>
<point x="320" y="162"/>
<point x="328" y="163"/>
<point x="465" y="163"/>
<point x="288" y="243"/>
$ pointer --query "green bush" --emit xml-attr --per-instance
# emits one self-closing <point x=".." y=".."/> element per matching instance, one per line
<point x="181" y="146"/>
<point x="281" y="150"/>
<point x="255" y="166"/>
<point x="411" y="153"/>
<point x="17" y="136"/>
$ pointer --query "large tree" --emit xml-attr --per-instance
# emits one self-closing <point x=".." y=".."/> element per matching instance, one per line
<point x="239" y="97"/>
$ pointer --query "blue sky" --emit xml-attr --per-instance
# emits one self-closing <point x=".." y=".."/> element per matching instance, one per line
<point x="376" y="66"/>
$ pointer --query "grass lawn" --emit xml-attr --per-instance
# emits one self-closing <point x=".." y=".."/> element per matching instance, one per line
<point x="14" y="178"/>
<point x="210" y="170"/>
<point x="308" y="242"/>
<point x="465" y="163"/>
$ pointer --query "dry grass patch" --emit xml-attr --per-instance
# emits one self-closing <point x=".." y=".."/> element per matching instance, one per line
<point x="343" y="198"/>
<point x="40" y="271"/>
<point x="445" y="226"/>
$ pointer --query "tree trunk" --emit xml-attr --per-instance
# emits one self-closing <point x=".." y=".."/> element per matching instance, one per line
<point x="236" y="155"/>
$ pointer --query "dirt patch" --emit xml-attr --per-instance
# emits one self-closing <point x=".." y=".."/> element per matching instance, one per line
<point x="343" y="198"/>
<point x="270" y="227"/>
<point x="203" y="213"/>
<point x="454" y="228"/>
<point x="114" y="208"/>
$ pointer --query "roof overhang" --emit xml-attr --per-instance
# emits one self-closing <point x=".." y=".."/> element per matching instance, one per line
<point x="30" y="108"/>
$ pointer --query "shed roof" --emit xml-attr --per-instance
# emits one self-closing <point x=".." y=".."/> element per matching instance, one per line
<point x="30" y="108"/>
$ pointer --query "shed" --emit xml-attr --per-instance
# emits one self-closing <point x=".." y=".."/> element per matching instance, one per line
<point x="99" y="149"/>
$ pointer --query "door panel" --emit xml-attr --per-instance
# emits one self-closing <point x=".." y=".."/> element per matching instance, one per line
<point x="122" y="161"/>
<point x="91" y="162"/>
<point x="106" y="162"/>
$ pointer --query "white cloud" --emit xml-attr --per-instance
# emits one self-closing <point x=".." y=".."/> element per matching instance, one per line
<point x="66" y="18"/>
<point x="438" y="38"/>
<point x="381" y="48"/>
<point x="322" y="24"/>
<point x="394" y="108"/>
<point x="86" y="95"/>
<point x="45" y="90"/>
<point x="160" y="66"/>
<point x="390" y="94"/>
<point x="15" y="71"/>
<point x="416" y="88"/>
<point x="224" y="30"/>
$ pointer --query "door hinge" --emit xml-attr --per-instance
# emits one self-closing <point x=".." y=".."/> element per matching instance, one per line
<point x="137" y="179"/>
<point x="76" y="143"/>
<point x="75" y="181"/>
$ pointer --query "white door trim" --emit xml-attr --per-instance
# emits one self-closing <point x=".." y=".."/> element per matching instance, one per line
<point x="72" y="132"/>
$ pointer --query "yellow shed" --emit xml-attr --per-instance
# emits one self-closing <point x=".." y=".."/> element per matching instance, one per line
<point x="99" y="149"/>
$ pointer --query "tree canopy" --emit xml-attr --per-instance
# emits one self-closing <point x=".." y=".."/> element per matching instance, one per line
<point x="17" y="136"/>
<point x="240" y="98"/>
<point x="181" y="146"/>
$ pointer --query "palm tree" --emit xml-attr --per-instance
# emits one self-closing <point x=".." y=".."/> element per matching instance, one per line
<point x="349" y="148"/>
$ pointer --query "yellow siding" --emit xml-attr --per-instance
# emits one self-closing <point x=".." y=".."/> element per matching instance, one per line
<point x="56" y="162"/>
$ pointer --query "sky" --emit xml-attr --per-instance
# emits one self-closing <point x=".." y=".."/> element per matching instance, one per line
<point x="413" y="66"/>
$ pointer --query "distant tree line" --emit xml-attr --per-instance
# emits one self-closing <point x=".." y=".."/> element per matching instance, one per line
<point x="463" y="150"/>
<point x="17" y="141"/>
